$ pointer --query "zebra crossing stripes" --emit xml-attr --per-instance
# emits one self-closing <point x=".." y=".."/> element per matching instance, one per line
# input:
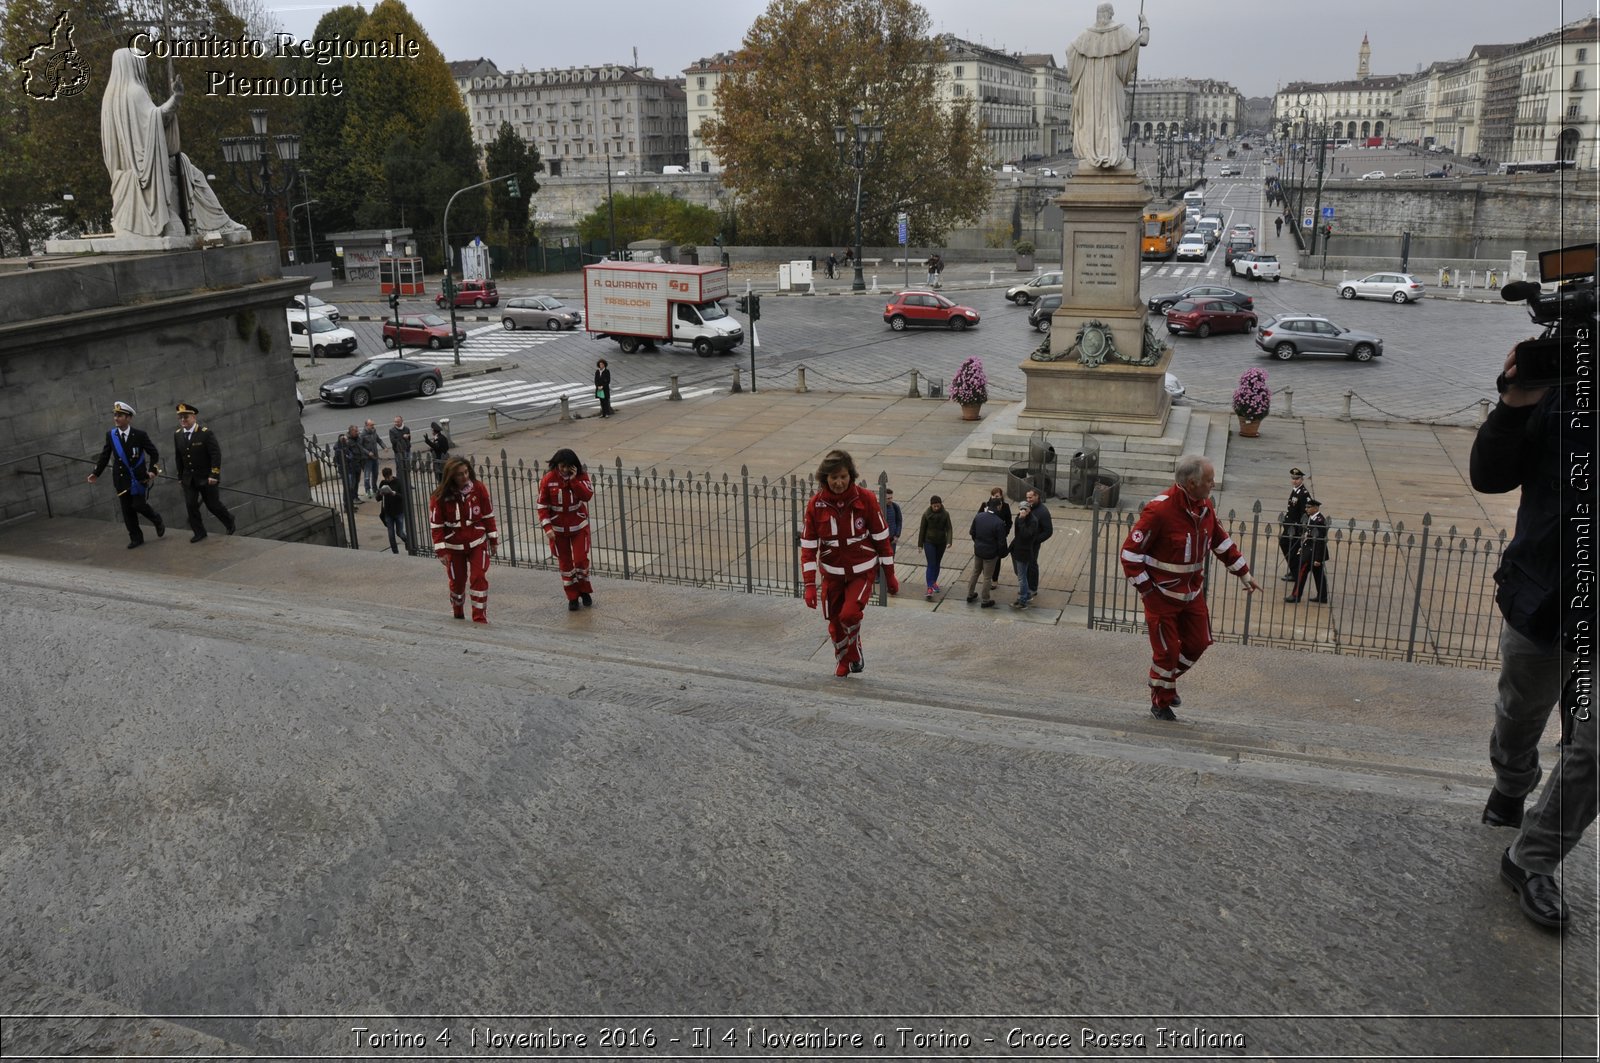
<point x="1177" y="272"/>
<point x="486" y="343"/>
<point x="509" y="394"/>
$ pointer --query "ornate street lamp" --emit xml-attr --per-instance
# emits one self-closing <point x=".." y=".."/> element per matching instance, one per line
<point x="250" y="164"/>
<point x="858" y="136"/>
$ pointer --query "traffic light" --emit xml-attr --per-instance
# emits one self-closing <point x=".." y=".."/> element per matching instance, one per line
<point x="743" y="303"/>
<point x="1327" y="230"/>
<point x="449" y="287"/>
<point x="394" y="300"/>
<point x="755" y="307"/>
<point x="512" y="188"/>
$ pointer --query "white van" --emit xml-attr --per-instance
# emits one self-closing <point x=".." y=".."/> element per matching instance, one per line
<point x="674" y="169"/>
<point x="1195" y="201"/>
<point x="314" y="333"/>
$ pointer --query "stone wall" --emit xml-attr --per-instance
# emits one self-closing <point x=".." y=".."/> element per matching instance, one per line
<point x="205" y="327"/>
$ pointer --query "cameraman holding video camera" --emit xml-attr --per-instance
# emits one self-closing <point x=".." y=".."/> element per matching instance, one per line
<point x="1540" y="437"/>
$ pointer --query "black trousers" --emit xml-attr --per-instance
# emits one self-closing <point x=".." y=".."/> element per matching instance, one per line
<point x="1315" y="572"/>
<point x="193" y="495"/>
<point x="133" y="507"/>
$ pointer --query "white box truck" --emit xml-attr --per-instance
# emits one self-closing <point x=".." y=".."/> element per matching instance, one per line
<point x="641" y="304"/>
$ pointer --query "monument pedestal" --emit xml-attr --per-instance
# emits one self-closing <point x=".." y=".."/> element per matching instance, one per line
<point x="109" y="244"/>
<point x="1067" y="396"/>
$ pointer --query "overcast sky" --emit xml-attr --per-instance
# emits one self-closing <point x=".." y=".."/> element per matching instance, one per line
<point x="1256" y="45"/>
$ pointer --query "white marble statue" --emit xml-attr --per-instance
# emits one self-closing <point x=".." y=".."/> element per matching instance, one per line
<point x="144" y="168"/>
<point x="1101" y="65"/>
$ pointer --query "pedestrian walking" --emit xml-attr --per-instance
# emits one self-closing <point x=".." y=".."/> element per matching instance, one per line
<point x="371" y="450"/>
<point x="1002" y="508"/>
<point x="844" y="541"/>
<point x="894" y="515"/>
<point x="1290" y="523"/>
<point x="1024" y="552"/>
<point x="348" y="457"/>
<point x="133" y="474"/>
<point x="602" y="387"/>
<point x="1277" y="223"/>
<point x="400" y="443"/>
<point x="465" y="537"/>
<point x="833" y="264"/>
<point x="1164" y="559"/>
<point x="1313" y="555"/>
<point x="1046" y="528"/>
<point x="988" y="533"/>
<point x="935" y="535"/>
<point x="438" y="443"/>
<point x="392" y="510"/>
<point x="563" y="502"/>
<point x="198" y="457"/>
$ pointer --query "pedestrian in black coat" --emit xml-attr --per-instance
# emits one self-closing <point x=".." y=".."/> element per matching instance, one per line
<point x="602" y="387"/>
<point x="198" y="458"/>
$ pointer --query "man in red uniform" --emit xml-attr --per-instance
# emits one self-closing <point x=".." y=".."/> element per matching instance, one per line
<point x="1164" y="559"/>
<point x="846" y="539"/>
<point x="465" y="536"/>
<point x="564" y="495"/>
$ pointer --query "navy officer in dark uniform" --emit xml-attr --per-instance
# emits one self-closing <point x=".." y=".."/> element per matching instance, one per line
<point x="133" y="472"/>
<point x="199" y="459"/>
<point x="1293" y="517"/>
<point x="1313" y="554"/>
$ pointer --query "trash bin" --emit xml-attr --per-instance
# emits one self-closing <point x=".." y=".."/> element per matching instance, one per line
<point x="1107" y="490"/>
<point x="1081" y="472"/>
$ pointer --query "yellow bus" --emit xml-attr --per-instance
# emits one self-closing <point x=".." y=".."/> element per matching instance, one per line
<point x="1162" y="230"/>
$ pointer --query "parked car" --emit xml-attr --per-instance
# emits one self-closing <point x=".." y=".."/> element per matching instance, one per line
<point x="929" y="309"/>
<point x="539" y="311"/>
<point x="1193" y="246"/>
<point x="1375" y="175"/>
<point x="472" y="293"/>
<point x="314" y="334"/>
<point x="317" y="306"/>
<point x="1290" y="334"/>
<point x="1048" y="283"/>
<point x="419" y="330"/>
<point x="1043" y="308"/>
<point x="1256" y="264"/>
<point x="1159" y="303"/>
<point x="1046" y="171"/>
<point x="1205" y="316"/>
<point x="1406" y="175"/>
<point x="1396" y="287"/>
<point x="1237" y="245"/>
<point x="381" y="378"/>
<point x="1436" y="173"/>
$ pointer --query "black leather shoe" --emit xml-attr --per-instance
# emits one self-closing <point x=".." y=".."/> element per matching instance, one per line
<point x="586" y="599"/>
<point x="1162" y="712"/>
<point x="572" y="606"/>
<point x="1320" y="601"/>
<point x="197" y="538"/>
<point x="135" y="544"/>
<point x="971" y="598"/>
<point x="1503" y="811"/>
<point x="1293" y="599"/>
<point x="232" y="527"/>
<point x="161" y="529"/>
<point x="987" y="605"/>
<point x="1541" y="897"/>
<point x="1177" y="702"/>
<point x="1286" y="579"/>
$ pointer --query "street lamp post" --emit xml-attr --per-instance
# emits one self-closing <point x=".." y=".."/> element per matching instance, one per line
<point x="310" y="245"/>
<point x="250" y="164"/>
<point x="858" y="136"/>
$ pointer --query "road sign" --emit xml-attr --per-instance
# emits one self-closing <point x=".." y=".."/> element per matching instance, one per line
<point x="1327" y="212"/>
<point x="1308" y="222"/>
<point x="905" y="222"/>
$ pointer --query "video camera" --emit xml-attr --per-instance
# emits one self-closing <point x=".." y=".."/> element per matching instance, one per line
<point x="1567" y="314"/>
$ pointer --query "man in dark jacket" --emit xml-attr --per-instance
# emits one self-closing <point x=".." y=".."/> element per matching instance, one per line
<point x="1041" y="516"/>
<point x="134" y="472"/>
<point x="894" y="515"/>
<point x="1024" y="552"/>
<point x="1534" y="439"/>
<point x="198" y="457"/>
<point x="988" y="534"/>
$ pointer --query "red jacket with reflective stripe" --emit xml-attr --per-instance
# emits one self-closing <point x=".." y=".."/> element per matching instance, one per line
<point x="1166" y="548"/>
<point x="564" y="502"/>
<point x="843" y="535"/>
<point x="465" y="521"/>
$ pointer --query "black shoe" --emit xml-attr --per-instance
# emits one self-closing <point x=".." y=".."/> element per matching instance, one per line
<point x="971" y="598"/>
<point x="572" y="606"/>
<point x="1287" y="579"/>
<point x="161" y="529"/>
<point x="1293" y="599"/>
<point x="197" y="537"/>
<point x="1177" y="702"/>
<point x="586" y="599"/>
<point x="135" y="544"/>
<point x="1162" y="712"/>
<point x="990" y="604"/>
<point x="232" y="527"/>
<point x="1541" y="897"/>
<point x="1503" y="811"/>
<point x="856" y="666"/>
<point x="1319" y="601"/>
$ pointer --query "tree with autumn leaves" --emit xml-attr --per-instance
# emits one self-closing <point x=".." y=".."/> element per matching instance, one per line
<point x="804" y="66"/>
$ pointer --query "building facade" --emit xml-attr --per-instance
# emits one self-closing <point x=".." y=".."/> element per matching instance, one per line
<point x="700" y="80"/>
<point x="1000" y="88"/>
<point x="1165" y="107"/>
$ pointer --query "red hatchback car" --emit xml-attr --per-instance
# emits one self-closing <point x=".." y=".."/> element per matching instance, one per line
<point x="927" y="309"/>
<point x="418" y="330"/>
<point x="471" y="293"/>
<point x="1205" y="316"/>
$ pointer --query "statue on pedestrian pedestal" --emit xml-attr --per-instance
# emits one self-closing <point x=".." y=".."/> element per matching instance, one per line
<point x="153" y="184"/>
<point x="1101" y="64"/>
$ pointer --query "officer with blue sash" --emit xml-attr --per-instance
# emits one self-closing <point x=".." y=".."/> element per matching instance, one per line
<point x="133" y="470"/>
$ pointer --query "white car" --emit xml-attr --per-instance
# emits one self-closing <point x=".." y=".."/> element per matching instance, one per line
<point x="1193" y="246"/>
<point x="1227" y="171"/>
<point x="1375" y="175"/>
<point x="317" y="306"/>
<point x="315" y="334"/>
<point x="1044" y="284"/>
<point x="1396" y="287"/>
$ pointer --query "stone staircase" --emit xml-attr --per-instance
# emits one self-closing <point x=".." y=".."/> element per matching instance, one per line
<point x="1143" y="462"/>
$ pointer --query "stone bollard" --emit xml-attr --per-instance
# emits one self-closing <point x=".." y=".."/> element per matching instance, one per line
<point x="566" y="411"/>
<point x="1461" y="287"/>
<point x="1483" y="410"/>
<point x="800" y="380"/>
<point x="915" y="392"/>
<point x="1345" y="416"/>
<point x="991" y="275"/>
<point x="674" y="396"/>
<point x="1288" y="401"/>
<point x="494" y="423"/>
<point x="874" y="282"/>
<point x="737" y="387"/>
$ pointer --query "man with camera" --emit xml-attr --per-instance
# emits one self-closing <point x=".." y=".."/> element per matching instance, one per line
<point x="1541" y="438"/>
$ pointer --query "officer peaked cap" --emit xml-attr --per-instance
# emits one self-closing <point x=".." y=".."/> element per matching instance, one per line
<point x="1297" y="471"/>
<point x="122" y="407"/>
<point x="184" y="407"/>
<point x="1312" y="502"/>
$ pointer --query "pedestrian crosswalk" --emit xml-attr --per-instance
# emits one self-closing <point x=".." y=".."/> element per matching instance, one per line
<point x="486" y="343"/>
<point x="535" y="394"/>
<point x="1179" y="271"/>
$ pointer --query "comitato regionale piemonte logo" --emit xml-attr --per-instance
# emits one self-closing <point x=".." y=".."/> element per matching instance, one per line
<point x="54" y="68"/>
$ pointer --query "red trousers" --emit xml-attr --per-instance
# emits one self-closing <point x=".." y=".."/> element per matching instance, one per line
<point x="844" y="602"/>
<point x="572" y="557"/>
<point x="1179" y="634"/>
<point x="468" y="567"/>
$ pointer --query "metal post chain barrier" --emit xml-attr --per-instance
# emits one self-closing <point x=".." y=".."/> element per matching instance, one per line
<point x="737" y="387"/>
<point x="874" y="282"/>
<point x="675" y="397"/>
<point x="1288" y="402"/>
<point x="1345" y="416"/>
<point x="800" y="380"/>
<point x="1483" y="410"/>
<point x="494" y="423"/>
<point x="991" y="275"/>
<point x="1461" y="287"/>
<point x="915" y="392"/>
<point x="566" y="412"/>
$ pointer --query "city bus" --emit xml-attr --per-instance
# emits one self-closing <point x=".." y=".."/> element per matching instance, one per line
<point x="1162" y="230"/>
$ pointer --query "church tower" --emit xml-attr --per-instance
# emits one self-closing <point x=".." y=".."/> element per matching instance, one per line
<point x="1363" y="65"/>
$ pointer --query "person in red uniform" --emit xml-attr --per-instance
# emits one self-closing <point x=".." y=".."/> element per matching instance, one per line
<point x="465" y="536"/>
<point x="1164" y="558"/>
<point x="844" y="541"/>
<point x="564" y="496"/>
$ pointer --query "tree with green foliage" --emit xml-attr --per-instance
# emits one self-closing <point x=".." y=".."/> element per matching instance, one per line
<point x="804" y="66"/>
<point x="508" y="214"/>
<point x="651" y="216"/>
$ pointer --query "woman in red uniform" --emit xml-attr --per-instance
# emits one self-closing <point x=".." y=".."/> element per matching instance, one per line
<point x="465" y="536"/>
<point x="845" y="539"/>
<point x="564" y="495"/>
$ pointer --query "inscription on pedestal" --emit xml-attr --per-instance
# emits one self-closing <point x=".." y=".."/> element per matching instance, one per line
<point x="1094" y="262"/>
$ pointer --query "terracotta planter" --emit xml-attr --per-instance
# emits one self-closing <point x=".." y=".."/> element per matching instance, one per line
<point x="970" y="410"/>
<point x="1250" y="429"/>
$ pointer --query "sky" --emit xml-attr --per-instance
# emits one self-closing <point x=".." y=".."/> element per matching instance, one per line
<point x="1257" y="45"/>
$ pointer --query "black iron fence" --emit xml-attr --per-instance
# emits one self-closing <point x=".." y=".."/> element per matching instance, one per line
<point x="1405" y="595"/>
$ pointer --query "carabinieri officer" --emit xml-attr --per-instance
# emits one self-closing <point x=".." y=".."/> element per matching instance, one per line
<point x="199" y="458"/>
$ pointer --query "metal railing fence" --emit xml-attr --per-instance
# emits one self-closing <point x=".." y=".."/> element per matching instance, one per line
<point x="1395" y="594"/>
